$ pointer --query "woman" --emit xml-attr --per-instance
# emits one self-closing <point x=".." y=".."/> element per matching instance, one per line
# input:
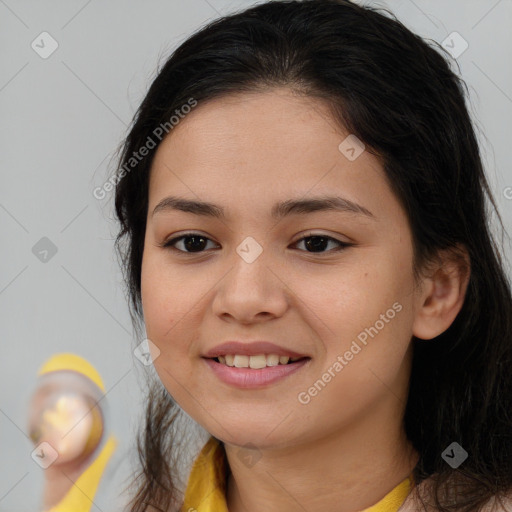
<point x="303" y="231"/>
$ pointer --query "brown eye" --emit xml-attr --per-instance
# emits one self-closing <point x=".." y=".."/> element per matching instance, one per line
<point x="192" y="242"/>
<point x="317" y="243"/>
<point x="196" y="243"/>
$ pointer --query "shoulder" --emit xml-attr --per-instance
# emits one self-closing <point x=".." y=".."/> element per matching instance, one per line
<point x="414" y="503"/>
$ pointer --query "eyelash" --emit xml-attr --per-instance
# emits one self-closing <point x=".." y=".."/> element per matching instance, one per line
<point x="169" y="243"/>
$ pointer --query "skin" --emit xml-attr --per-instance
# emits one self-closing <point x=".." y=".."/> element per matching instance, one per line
<point x="345" y="449"/>
<point x="60" y="478"/>
<point x="71" y="463"/>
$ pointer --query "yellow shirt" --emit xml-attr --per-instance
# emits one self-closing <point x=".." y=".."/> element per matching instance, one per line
<point x="206" y="488"/>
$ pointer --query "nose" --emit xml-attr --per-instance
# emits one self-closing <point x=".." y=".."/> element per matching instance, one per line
<point x="251" y="292"/>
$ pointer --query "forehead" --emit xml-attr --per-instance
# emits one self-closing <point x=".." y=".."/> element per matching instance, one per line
<point x="272" y="124"/>
<point x="262" y="147"/>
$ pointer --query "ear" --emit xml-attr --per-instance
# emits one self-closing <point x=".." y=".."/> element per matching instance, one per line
<point x="442" y="294"/>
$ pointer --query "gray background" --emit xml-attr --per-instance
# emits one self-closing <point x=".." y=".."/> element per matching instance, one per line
<point x="61" y="121"/>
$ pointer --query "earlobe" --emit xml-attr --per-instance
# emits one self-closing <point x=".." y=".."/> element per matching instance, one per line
<point x="442" y="297"/>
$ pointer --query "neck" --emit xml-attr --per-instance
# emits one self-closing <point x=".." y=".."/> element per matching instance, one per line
<point x="350" y="469"/>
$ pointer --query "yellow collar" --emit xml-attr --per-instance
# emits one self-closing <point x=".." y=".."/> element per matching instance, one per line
<point x="206" y="488"/>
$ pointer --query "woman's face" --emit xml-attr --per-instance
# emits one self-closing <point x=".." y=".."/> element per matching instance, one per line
<point x="252" y="276"/>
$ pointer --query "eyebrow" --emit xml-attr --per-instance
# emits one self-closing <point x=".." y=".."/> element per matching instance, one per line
<point x="279" y="210"/>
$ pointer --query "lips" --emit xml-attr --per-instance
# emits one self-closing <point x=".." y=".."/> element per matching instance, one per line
<point x="253" y="348"/>
<point x="250" y="379"/>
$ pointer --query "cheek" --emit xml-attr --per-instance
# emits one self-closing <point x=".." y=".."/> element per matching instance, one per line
<point x="348" y="300"/>
<point x="169" y="302"/>
<point x="165" y="308"/>
<point x="159" y="304"/>
<point x="165" y="296"/>
<point x="364" y="313"/>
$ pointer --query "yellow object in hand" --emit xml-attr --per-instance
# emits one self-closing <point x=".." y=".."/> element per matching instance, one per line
<point x="65" y="413"/>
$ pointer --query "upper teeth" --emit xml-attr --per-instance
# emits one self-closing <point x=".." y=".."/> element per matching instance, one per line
<point x="255" y="362"/>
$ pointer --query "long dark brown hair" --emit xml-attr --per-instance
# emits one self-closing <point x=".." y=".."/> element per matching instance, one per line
<point x="398" y="94"/>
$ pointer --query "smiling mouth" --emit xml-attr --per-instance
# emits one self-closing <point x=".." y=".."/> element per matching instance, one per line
<point x="256" y="362"/>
